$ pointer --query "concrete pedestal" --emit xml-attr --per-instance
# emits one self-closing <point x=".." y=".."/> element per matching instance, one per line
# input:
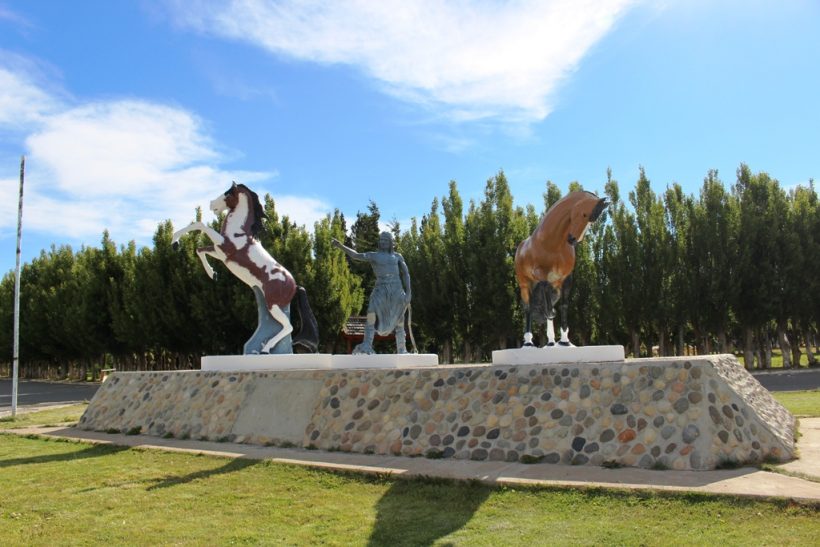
<point x="558" y="354"/>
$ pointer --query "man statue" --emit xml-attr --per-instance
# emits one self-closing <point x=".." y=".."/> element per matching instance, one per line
<point x="389" y="299"/>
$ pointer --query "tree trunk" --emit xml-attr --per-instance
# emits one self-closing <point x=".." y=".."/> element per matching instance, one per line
<point x="797" y="355"/>
<point x="748" y="348"/>
<point x="723" y="347"/>
<point x="765" y="349"/>
<point x="681" y="343"/>
<point x="785" y="346"/>
<point x="809" y="349"/>
<point x="636" y="343"/>
<point x="661" y="344"/>
<point x="447" y="351"/>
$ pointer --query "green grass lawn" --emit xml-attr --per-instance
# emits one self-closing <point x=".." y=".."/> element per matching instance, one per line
<point x="44" y="417"/>
<point x="800" y="403"/>
<point x="64" y="492"/>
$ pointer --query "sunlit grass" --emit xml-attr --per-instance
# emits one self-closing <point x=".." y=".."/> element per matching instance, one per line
<point x="50" y="416"/>
<point x="800" y="403"/>
<point x="62" y="492"/>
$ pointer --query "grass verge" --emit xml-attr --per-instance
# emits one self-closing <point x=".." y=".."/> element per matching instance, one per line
<point x="51" y="416"/>
<point x="800" y="403"/>
<point x="86" y="494"/>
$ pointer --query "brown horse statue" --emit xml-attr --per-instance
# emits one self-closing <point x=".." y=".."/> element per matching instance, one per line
<point x="544" y="261"/>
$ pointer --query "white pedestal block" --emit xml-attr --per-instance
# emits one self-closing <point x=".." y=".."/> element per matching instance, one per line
<point x="385" y="360"/>
<point x="308" y="361"/>
<point x="558" y="354"/>
<point x="295" y="361"/>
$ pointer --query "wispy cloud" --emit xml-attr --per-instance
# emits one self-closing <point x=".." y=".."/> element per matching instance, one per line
<point x="22" y="102"/>
<point x="467" y="60"/>
<point x="121" y="165"/>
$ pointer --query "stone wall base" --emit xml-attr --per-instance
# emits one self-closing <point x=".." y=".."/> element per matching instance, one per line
<point x="675" y="413"/>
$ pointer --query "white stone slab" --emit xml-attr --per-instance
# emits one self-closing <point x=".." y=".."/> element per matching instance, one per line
<point x="295" y="361"/>
<point x="558" y="354"/>
<point x="385" y="360"/>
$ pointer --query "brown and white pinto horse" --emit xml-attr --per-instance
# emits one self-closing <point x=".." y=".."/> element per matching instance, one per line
<point x="237" y="247"/>
<point x="544" y="261"/>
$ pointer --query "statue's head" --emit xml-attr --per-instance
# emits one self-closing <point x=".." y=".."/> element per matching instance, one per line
<point x="587" y="207"/>
<point x="386" y="242"/>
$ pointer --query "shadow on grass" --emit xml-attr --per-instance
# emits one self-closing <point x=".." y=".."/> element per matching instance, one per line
<point x="236" y="464"/>
<point x="95" y="451"/>
<point x="418" y="512"/>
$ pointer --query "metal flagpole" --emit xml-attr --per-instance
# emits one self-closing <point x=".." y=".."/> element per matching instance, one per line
<point x="16" y="366"/>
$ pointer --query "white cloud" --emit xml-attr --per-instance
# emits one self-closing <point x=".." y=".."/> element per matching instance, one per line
<point x="468" y="59"/>
<point x="301" y="210"/>
<point x="120" y="165"/>
<point x="22" y="102"/>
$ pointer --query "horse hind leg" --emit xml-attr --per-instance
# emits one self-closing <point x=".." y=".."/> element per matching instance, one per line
<point x="565" y="289"/>
<point x="280" y="316"/>
<point x="308" y="335"/>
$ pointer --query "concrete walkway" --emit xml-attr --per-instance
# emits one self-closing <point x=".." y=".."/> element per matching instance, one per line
<point x="747" y="481"/>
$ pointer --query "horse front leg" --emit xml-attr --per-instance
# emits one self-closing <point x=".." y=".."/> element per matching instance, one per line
<point x="203" y="253"/>
<point x="565" y="289"/>
<point x="198" y="226"/>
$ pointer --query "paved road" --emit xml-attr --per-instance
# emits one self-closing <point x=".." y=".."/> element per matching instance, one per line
<point x="44" y="393"/>
<point x="789" y="380"/>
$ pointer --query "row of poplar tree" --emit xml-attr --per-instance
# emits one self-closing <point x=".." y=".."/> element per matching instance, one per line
<point x="727" y="270"/>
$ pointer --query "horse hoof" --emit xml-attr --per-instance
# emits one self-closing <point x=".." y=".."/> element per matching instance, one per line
<point x="528" y="345"/>
<point x="565" y="344"/>
<point x="550" y="345"/>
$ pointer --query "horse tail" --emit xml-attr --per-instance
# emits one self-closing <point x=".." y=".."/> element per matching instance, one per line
<point x="308" y="335"/>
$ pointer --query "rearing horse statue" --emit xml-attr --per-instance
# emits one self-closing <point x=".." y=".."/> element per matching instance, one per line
<point x="544" y="261"/>
<point x="238" y="248"/>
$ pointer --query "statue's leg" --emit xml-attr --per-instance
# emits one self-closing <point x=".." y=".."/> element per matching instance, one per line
<point x="366" y="347"/>
<point x="550" y="298"/>
<point x="401" y="339"/>
<point x="526" y="294"/>
<point x="203" y="253"/>
<point x="214" y="236"/>
<point x="565" y="289"/>
<point x="550" y="333"/>
<point x="287" y="328"/>
<point x="265" y="328"/>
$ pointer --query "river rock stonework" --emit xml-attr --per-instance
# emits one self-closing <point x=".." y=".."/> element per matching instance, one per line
<point x="675" y="413"/>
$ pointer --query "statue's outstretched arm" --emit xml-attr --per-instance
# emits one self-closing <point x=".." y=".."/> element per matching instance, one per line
<point x="348" y="251"/>
<point x="405" y="275"/>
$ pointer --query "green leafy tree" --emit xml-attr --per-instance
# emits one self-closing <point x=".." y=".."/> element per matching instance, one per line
<point x="455" y="273"/>
<point x="333" y="290"/>
<point x="494" y="229"/>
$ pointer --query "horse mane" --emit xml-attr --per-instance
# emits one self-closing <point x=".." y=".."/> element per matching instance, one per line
<point x="258" y="211"/>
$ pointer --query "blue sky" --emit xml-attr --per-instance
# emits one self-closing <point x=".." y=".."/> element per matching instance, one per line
<point x="130" y="113"/>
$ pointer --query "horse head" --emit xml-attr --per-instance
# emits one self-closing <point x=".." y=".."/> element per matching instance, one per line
<point x="587" y="208"/>
<point x="229" y="200"/>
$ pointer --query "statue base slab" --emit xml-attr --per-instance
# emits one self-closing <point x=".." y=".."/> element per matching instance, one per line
<point x="289" y="361"/>
<point x="315" y="361"/>
<point x="386" y="360"/>
<point x="558" y="354"/>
